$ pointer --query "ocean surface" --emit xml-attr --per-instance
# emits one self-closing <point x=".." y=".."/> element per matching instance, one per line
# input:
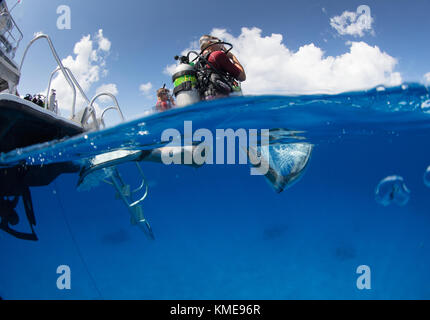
<point x="222" y="233"/>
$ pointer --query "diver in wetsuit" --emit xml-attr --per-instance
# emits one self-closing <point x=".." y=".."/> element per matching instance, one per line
<point x="164" y="100"/>
<point x="220" y="74"/>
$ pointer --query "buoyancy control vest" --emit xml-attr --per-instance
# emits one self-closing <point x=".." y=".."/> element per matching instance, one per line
<point x="201" y="81"/>
<point x="214" y="82"/>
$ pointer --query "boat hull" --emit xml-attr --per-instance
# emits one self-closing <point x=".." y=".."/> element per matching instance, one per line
<point x="23" y="123"/>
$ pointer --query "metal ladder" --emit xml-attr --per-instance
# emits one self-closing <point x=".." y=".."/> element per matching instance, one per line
<point x="127" y="195"/>
<point x="123" y="190"/>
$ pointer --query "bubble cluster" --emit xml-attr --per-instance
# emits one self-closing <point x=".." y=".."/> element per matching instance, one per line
<point x="427" y="177"/>
<point x="425" y="106"/>
<point x="392" y="189"/>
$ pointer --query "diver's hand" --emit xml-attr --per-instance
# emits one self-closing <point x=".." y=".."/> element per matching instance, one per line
<point x="242" y="75"/>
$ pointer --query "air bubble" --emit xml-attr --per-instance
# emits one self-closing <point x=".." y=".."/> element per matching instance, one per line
<point x="427" y="177"/>
<point x="392" y="189"/>
<point x="425" y="106"/>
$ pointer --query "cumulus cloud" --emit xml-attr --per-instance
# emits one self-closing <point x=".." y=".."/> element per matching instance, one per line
<point x="272" y="68"/>
<point x="427" y="78"/>
<point x="88" y="64"/>
<point x="353" y="23"/>
<point x="145" y="88"/>
<point x="107" y="88"/>
<point x="193" y="46"/>
<point x="104" y="43"/>
<point x="170" y="69"/>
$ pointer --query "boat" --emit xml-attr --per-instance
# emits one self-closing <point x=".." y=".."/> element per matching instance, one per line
<point x="26" y="121"/>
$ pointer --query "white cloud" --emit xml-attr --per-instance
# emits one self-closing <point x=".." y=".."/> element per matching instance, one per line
<point x="353" y="23"/>
<point x="145" y="88"/>
<point x="273" y="68"/>
<point x="193" y="46"/>
<point x="170" y="69"/>
<point x="107" y="88"/>
<point x="427" y="79"/>
<point x="87" y="65"/>
<point x="104" y="43"/>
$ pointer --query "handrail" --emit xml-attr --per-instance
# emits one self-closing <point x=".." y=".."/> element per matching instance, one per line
<point x="90" y="109"/>
<point x="107" y="109"/>
<point x="57" y="59"/>
<point x="10" y="34"/>
<point x="19" y="30"/>
<point x="114" y="100"/>
<point x="73" y="80"/>
<point x="76" y="83"/>
<point x="70" y="78"/>
<point x="133" y="208"/>
<point x="143" y="184"/>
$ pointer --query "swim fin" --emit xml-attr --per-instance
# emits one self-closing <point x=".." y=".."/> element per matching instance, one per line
<point x="286" y="163"/>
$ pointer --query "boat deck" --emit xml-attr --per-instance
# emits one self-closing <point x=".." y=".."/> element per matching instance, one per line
<point x="23" y="123"/>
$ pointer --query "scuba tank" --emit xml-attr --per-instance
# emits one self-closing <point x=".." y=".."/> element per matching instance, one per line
<point x="52" y="102"/>
<point x="38" y="99"/>
<point x="185" y="83"/>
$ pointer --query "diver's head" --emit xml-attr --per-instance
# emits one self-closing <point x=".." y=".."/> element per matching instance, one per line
<point x="207" y="42"/>
<point x="163" y="94"/>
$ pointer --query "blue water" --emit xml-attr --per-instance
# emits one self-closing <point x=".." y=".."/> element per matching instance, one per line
<point x="224" y="234"/>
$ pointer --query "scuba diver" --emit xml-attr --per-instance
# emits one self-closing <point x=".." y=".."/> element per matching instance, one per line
<point x="164" y="100"/>
<point x="214" y="73"/>
<point x="223" y="67"/>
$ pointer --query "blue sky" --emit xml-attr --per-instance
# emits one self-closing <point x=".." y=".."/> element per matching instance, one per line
<point x="145" y="35"/>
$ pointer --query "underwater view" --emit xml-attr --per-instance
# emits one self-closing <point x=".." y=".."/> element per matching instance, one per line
<point x="216" y="158"/>
<point x="348" y="190"/>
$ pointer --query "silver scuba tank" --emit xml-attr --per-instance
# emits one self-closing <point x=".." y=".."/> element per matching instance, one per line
<point x="185" y="82"/>
<point x="52" y="101"/>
